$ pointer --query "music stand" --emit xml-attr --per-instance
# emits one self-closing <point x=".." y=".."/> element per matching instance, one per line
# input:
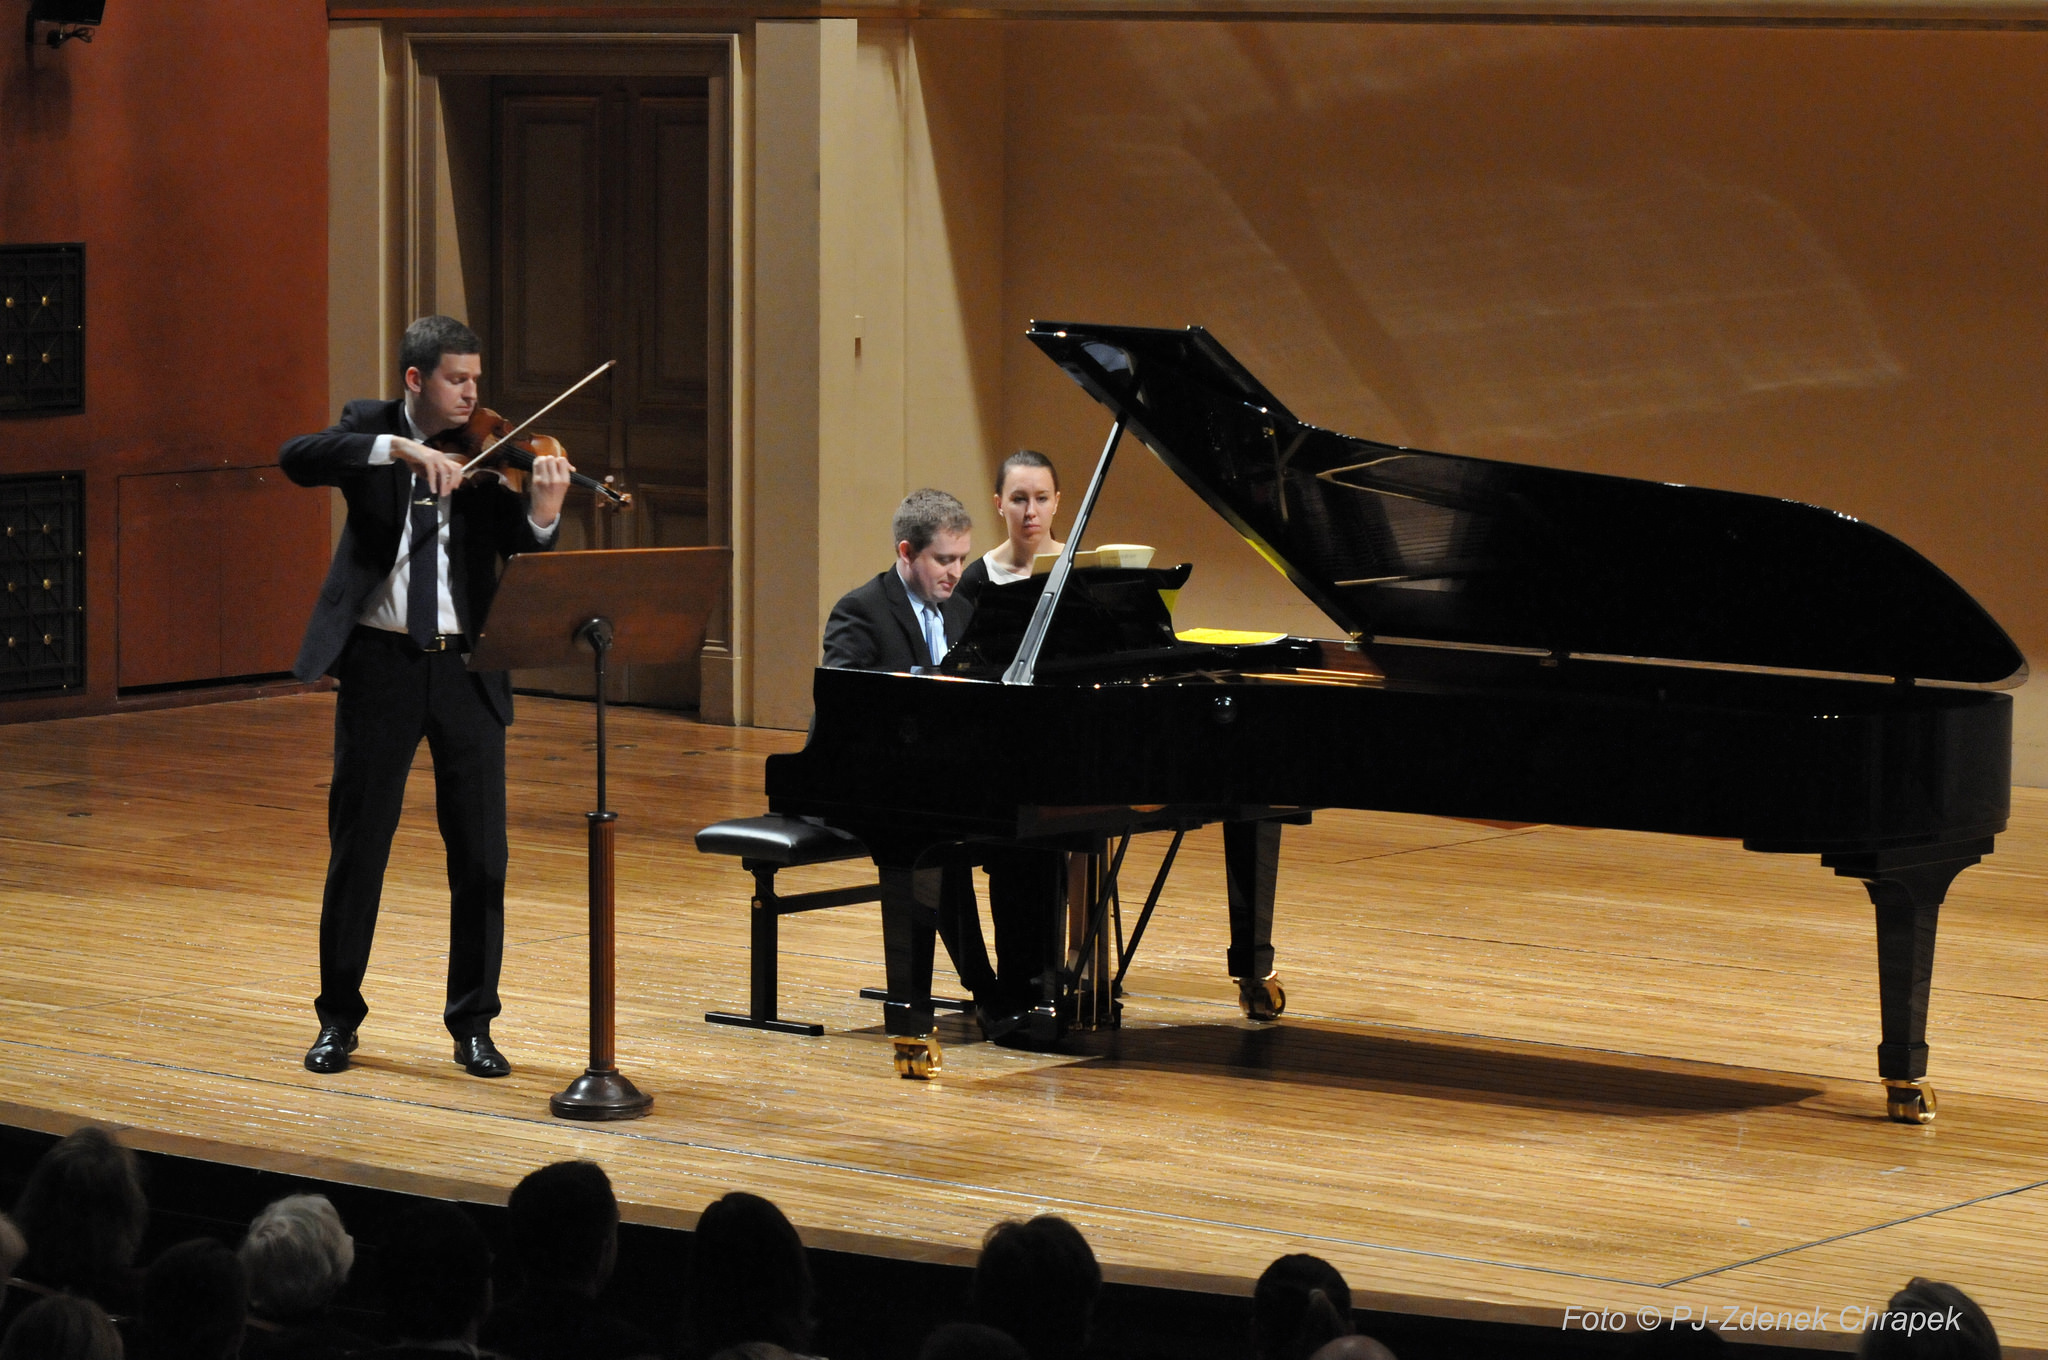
<point x="636" y="606"/>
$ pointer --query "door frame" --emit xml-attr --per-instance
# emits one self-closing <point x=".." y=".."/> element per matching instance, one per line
<point x="424" y="268"/>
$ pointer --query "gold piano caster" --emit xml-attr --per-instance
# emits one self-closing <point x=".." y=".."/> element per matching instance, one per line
<point x="917" y="1059"/>
<point x="1261" y="998"/>
<point x="1909" y="1102"/>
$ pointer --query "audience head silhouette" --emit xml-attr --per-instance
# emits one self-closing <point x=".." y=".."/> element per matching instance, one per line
<point x="1300" y="1304"/>
<point x="84" y="1213"/>
<point x="1963" y="1333"/>
<point x="970" y="1341"/>
<point x="195" y="1303"/>
<point x="1037" y="1280"/>
<point x="12" y="1248"/>
<point x="437" y="1274"/>
<point x="1677" y="1341"/>
<point x="298" y="1256"/>
<point x="749" y="1277"/>
<point x="565" y="1227"/>
<point x="62" y="1327"/>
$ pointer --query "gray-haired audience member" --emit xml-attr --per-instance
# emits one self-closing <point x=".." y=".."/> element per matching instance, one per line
<point x="436" y="1267"/>
<point x="749" y="1281"/>
<point x="565" y="1241"/>
<point x="970" y="1341"/>
<point x="195" y="1303"/>
<point x="1928" y="1320"/>
<point x="62" y="1327"/>
<point x="1037" y="1280"/>
<point x="84" y="1213"/>
<point x="298" y="1255"/>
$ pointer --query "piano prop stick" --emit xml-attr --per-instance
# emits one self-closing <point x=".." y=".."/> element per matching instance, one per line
<point x="1519" y="644"/>
<point x="1025" y="667"/>
<point x="634" y="606"/>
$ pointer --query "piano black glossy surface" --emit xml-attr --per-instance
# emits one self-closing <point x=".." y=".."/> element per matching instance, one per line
<point x="1524" y="644"/>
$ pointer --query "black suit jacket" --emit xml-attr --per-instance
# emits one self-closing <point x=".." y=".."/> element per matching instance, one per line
<point x="487" y="523"/>
<point x="873" y="628"/>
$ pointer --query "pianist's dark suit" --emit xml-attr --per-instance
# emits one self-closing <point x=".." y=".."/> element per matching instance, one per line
<point x="873" y="627"/>
<point x="392" y="695"/>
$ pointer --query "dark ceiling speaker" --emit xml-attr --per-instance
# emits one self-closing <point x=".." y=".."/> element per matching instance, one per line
<point x="66" y="19"/>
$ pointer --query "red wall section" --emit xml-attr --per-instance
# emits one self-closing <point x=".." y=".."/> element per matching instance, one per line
<point x="187" y="147"/>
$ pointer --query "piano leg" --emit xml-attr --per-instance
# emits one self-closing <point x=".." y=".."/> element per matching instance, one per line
<point x="1907" y="888"/>
<point x="1251" y="867"/>
<point x="910" y="921"/>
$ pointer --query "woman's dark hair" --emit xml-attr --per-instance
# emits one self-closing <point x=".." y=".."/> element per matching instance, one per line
<point x="84" y="1213"/>
<point x="1299" y="1303"/>
<point x="1894" y="1335"/>
<point x="1026" y="458"/>
<point x="62" y="1327"/>
<point x="750" y="1279"/>
<point x="1037" y="1280"/>
<point x="195" y="1302"/>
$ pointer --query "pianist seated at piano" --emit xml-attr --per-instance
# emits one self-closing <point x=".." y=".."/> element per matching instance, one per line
<point x="908" y="617"/>
<point x="1027" y="497"/>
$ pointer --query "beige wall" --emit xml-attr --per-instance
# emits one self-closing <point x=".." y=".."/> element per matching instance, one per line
<point x="878" y="239"/>
<point x="1800" y="263"/>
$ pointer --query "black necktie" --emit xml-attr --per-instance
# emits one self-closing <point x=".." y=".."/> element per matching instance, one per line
<point x="423" y="591"/>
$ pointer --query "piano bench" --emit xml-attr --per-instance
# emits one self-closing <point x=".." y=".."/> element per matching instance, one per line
<point x="764" y="846"/>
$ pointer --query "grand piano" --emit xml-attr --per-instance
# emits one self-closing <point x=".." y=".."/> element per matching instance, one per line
<point x="1521" y="644"/>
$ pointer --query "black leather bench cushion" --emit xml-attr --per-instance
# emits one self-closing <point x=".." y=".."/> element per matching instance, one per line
<point x="781" y="841"/>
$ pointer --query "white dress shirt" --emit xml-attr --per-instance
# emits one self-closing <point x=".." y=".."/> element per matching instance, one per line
<point x="386" y="606"/>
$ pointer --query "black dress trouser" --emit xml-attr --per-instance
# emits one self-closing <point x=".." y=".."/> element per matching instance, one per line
<point x="392" y="695"/>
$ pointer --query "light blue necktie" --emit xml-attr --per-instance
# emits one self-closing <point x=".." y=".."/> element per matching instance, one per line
<point x="934" y="632"/>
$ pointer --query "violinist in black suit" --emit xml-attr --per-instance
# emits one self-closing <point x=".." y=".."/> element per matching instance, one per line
<point x="411" y="581"/>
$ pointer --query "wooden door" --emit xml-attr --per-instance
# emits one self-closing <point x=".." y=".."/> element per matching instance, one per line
<point x="601" y="231"/>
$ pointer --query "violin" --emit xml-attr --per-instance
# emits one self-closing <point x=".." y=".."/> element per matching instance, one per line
<point x="483" y="446"/>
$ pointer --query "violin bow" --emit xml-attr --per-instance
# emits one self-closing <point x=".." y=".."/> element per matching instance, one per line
<point x="520" y="428"/>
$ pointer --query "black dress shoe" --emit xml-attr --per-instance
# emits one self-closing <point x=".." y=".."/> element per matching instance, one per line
<point x="330" y="1051"/>
<point x="480" y="1057"/>
<point x="1035" y="1030"/>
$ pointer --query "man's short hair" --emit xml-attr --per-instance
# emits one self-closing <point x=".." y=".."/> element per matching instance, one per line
<point x="298" y="1256"/>
<point x="1929" y="1320"/>
<point x="1299" y="1303"/>
<point x="430" y="337"/>
<point x="437" y="1273"/>
<point x="925" y="514"/>
<point x="195" y="1302"/>
<point x="563" y="1218"/>
<point x="1037" y="1280"/>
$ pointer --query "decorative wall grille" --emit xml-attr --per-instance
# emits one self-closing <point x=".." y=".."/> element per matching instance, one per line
<point x="42" y="328"/>
<point x="42" y="583"/>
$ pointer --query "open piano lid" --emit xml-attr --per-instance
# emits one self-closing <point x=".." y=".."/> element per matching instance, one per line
<point x="1394" y="542"/>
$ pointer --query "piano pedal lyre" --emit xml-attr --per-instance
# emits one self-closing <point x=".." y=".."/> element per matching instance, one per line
<point x="1261" y="998"/>
<point x="1909" y="1102"/>
<point x="917" y="1058"/>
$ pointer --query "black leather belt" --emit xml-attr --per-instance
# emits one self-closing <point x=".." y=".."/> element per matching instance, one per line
<point x="440" y="642"/>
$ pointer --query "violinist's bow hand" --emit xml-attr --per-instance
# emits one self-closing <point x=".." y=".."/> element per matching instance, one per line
<point x="442" y="471"/>
<point x="549" y="487"/>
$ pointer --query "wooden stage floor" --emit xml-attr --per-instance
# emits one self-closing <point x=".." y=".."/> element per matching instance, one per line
<point x="1522" y="1069"/>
